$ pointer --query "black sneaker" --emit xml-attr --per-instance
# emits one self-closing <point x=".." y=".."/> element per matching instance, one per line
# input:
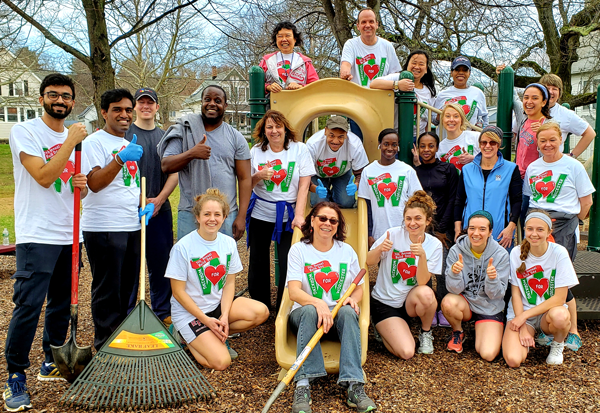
<point x="359" y="399"/>
<point x="302" y="400"/>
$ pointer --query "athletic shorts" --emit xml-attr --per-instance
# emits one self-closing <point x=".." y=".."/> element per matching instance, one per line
<point x="194" y="328"/>
<point x="381" y="311"/>
<point x="484" y="318"/>
<point x="534" y="322"/>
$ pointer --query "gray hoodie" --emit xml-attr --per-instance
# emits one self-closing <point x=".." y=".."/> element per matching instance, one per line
<point x="485" y="296"/>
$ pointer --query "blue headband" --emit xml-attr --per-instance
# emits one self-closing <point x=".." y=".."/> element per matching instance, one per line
<point x="541" y="87"/>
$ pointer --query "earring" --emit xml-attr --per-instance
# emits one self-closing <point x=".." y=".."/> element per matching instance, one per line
<point x="378" y="146"/>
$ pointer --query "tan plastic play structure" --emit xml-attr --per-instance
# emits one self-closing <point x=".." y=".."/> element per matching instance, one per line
<point x="373" y="111"/>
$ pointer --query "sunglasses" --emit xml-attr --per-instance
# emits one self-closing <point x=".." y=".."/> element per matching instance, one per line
<point x="485" y="143"/>
<point x="323" y="218"/>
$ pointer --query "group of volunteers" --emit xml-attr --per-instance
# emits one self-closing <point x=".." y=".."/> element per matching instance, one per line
<point x="451" y="216"/>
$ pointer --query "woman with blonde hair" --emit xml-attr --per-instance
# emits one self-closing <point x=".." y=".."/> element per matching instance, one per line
<point x="460" y="146"/>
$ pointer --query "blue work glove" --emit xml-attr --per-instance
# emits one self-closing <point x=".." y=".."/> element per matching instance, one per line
<point x="321" y="190"/>
<point x="132" y="152"/>
<point x="148" y="211"/>
<point x="351" y="188"/>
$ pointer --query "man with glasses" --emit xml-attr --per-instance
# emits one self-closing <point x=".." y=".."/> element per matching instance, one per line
<point x="43" y="159"/>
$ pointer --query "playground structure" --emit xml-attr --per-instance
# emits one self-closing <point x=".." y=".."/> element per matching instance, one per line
<point x="373" y="111"/>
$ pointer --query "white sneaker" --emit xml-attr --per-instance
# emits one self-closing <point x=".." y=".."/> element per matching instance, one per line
<point x="425" y="342"/>
<point x="556" y="353"/>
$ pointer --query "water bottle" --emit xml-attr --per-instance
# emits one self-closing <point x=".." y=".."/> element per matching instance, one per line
<point x="5" y="240"/>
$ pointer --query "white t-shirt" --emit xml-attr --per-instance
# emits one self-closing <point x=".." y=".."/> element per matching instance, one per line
<point x="450" y="149"/>
<point x="42" y="215"/>
<point x="332" y="164"/>
<point x="388" y="188"/>
<point x="423" y="96"/>
<point x="398" y="267"/>
<point x="204" y="266"/>
<point x="325" y="275"/>
<point x="288" y="165"/>
<point x="115" y="208"/>
<point x="569" y="122"/>
<point x="369" y="62"/>
<point x="542" y="276"/>
<point x="557" y="186"/>
<point x="471" y="99"/>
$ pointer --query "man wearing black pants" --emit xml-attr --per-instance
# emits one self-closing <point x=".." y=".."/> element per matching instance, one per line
<point x="159" y="187"/>
<point x="110" y="222"/>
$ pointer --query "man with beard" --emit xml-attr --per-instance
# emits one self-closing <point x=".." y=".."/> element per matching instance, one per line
<point x="110" y="222"/>
<point x="43" y="159"/>
<point x="208" y="153"/>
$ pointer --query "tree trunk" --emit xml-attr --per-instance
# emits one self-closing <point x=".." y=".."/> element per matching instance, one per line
<point x="341" y="25"/>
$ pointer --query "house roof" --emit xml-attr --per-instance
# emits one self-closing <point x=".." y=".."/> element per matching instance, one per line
<point x="221" y="77"/>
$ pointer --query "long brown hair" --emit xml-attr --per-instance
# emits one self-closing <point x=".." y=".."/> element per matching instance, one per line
<point x="307" y="231"/>
<point x="260" y="136"/>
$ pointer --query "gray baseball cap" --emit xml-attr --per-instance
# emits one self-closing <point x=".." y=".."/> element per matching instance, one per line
<point x="337" y="122"/>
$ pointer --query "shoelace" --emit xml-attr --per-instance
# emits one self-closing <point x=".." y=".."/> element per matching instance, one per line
<point x="17" y="387"/>
<point x="456" y="336"/>
<point x="555" y="350"/>
<point x="301" y="394"/>
<point x="359" y="393"/>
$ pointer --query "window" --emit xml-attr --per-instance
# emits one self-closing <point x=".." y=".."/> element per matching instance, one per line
<point x="13" y="115"/>
<point x="22" y="117"/>
<point x="18" y="89"/>
<point x="30" y="114"/>
<point x="40" y="112"/>
<point x="173" y="114"/>
<point x="25" y="88"/>
<point x="2" y="117"/>
<point x="11" y="89"/>
<point x="242" y="96"/>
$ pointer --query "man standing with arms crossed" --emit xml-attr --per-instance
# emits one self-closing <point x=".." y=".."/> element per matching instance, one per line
<point x="158" y="188"/>
<point x="43" y="159"/>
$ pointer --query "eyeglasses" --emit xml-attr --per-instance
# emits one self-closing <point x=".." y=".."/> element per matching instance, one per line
<point x="332" y="221"/>
<point x="54" y="96"/>
<point x="485" y="143"/>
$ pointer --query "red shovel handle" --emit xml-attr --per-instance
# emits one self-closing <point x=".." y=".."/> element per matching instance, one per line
<point x="76" y="215"/>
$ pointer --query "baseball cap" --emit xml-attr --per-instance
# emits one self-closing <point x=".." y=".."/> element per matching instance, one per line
<point x="145" y="91"/>
<point x="337" y="122"/>
<point x="461" y="61"/>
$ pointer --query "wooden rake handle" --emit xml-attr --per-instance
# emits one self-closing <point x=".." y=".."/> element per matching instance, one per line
<point x="143" y="246"/>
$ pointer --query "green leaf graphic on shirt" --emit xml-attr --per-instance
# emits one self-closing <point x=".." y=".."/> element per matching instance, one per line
<point x="285" y="185"/>
<point x="398" y="194"/>
<point x="559" y="184"/>
<point x="221" y="283"/>
<point x="372" y="68"/>
<point x="315" y="289"/>
<point x="58" y="183"/>
<point x="551" y="285"/>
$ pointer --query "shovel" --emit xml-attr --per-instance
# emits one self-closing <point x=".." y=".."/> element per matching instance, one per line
<point x="70" y="359"/>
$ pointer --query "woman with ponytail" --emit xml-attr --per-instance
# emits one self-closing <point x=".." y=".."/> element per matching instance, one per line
<point x="408" y="256"/>
<point x="541" y="272"/>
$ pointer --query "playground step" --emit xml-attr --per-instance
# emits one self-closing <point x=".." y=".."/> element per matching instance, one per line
<point x="588" y="308"/>
<point x="587" y="267"/>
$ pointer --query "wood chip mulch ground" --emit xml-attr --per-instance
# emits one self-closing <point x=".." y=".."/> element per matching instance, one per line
<point x="442" y="382"/>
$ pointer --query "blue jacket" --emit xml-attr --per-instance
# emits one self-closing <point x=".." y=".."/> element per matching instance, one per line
<point x="491" y="195"/>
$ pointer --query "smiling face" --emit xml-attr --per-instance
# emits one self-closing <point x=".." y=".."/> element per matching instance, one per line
<point x="335" y="138"/>
<point x="460" y="75"/>
<point x="118" y="117"/>
<point x="416" y="221"/>
<point x="275" y="133"/>
<point x="537" y="232"/>
<point x="367" y="24"/>
<point x="417" y="65"/>
<point x="549" y="142"/>
<point x="479" y="231"/>
<point x="533" y="102"/>
<point x="210" y="219"/>
<point x="285" y="41"/>
<point x="389" y="147"/>
<point x="213" y="105"/>
<point x="146" y="108"/>
<point x="451" y="121"/>
<point x="324" y="230"/>
<point x="554" y="94"/>
<point x="427" y="148"/>
<point x="488" y="146"/>
<point x="58" y="109"/>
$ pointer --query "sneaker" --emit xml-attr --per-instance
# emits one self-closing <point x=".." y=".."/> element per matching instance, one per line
<point x="49" y="372"/>
<point x="232" y="353"/>
<point x="302" y="400"/>
<point x="442" y="322"/>
<point x="556" y="353"/>
<point x="16" y="396"/>
<point x="573" y="342"/>
<point x="456" y="342"/>
<point x="543" y="339"/>
<point x="359" y="399"/>
<point x="425" y="342"/>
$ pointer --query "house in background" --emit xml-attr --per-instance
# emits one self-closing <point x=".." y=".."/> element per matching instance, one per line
<point x="19" y="91"/>
<point x="89" y="118"/>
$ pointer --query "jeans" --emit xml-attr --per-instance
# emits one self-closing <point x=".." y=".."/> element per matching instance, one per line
<point x="186" y="223"/>
<point x="303" y="321"/>
<point x="159" y="241"/>
<point x="115" y="263"/>
<point x="336" y="191"/>
<point x="43" y="270"/>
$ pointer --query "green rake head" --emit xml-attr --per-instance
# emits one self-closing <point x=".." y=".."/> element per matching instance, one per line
<point x="141" y="366"/>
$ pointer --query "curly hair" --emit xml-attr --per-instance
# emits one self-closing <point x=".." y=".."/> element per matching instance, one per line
<point x="260" y="136"/>
<point x="526" y="246"/>
<point x="461" y="112"/>
<point x="420" y="199"/>
<point x="211" y="194"/>
<point x="307" y="231"/>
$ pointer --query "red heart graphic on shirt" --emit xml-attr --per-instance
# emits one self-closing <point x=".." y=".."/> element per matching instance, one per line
<point x="466" y="109"/>
<point x="371" y="71"/>
<point x="326" y="281"/>
<point x="330" y="170"/>
<point x="539" y="286"/>
<point x="213" y="274"/>
<point x="545" y="188"/>
<point x="279" y="176"/>
<point x="282" y="74"/>
<point x="387" y="189"/>
<point x="456" y="162"/>
<point x="67" y="172"/>
<point x="132" y="167"/>
<point x="407" y="271"/>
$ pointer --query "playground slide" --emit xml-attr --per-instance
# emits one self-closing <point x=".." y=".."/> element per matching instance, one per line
<point x="285" y="340"/>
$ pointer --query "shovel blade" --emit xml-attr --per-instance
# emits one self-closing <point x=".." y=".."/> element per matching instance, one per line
<point x="70" y="359"/>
